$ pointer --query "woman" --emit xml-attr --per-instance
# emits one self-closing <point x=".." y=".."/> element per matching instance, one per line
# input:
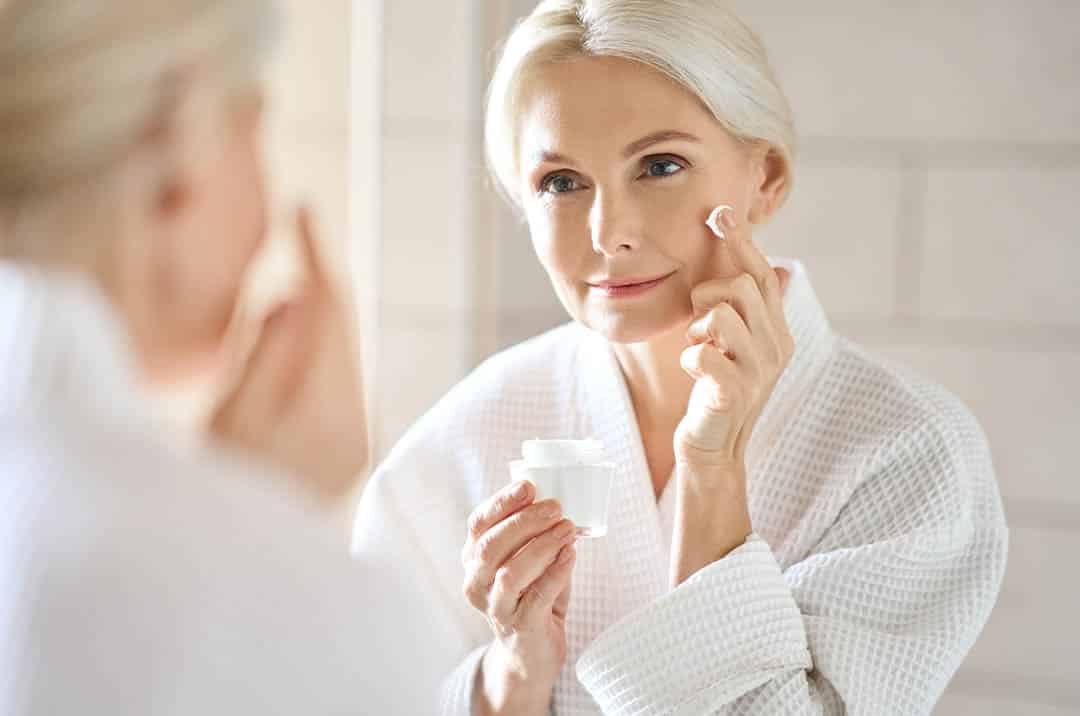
<point x="139" y="576"/>
<point x="794" y="527"/>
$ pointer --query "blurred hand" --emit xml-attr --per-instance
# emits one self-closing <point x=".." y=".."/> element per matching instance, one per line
<point x="518" y="558"/>
<point x="299" y="401"/>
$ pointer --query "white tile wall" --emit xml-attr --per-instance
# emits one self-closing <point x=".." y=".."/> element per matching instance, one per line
<point x="967" y="70"/>
<point x="962" y="704"/>
<point x="429" y="62"/>
<point x="1033" y="634"/>
<point x="844" y="223"/>
<point x="1002" y="245"/>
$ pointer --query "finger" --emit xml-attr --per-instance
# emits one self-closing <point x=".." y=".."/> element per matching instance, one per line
<point x="515" y="577"/>
<point x="724" y="329"/>
<point x="742" y="293"/>
<point x="750" y="259"/>
<point x="505" y="539"/>
<point x="270" y="377"/>
<point x="499" y="506"/>
<point x="703" y="362"/>
<point x="551" y="591"/>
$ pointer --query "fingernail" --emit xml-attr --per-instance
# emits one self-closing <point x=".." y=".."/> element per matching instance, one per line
<point x="550" y="511"/>
<point x="566" y="554"/>
<point x="565" y="530"/>
<point x="520" y="490"/>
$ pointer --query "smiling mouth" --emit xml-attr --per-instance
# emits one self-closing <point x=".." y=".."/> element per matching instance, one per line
<point x="626" y="288"/>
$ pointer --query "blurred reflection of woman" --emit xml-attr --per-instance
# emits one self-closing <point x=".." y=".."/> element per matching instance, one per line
<point x="137" y="576"/>
<point x="794" y="526"/>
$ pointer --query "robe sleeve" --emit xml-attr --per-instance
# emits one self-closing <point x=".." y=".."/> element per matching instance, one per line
<point x="876" y="619"/>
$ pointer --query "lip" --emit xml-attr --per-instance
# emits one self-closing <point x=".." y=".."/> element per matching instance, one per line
<point x="627" y="287"/>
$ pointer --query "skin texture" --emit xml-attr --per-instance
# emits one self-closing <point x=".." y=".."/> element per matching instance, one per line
<point x="619" y="168"/>
<point x="192" y="214"/>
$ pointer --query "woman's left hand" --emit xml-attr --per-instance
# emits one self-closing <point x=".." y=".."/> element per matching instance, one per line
<point x="740" y="345"/>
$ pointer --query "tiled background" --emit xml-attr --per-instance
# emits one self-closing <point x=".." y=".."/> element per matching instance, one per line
<point x="934" y="208"/>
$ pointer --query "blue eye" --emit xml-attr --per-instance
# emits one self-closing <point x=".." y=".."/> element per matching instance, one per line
<point x="662" y="168"/>
<point x="558" y="184"/>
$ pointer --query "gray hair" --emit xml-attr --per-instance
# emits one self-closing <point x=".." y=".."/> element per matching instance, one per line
<point x="80" y="80"/>
<point x="700" y="44"/>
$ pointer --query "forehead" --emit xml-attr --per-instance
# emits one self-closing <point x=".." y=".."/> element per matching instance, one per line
<point x="592" y="104"/>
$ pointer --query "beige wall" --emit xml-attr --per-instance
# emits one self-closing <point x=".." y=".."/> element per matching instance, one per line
<point x="941" y="157"/>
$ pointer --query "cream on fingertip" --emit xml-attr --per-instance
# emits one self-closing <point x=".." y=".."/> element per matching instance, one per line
<point x="715" y="218"/>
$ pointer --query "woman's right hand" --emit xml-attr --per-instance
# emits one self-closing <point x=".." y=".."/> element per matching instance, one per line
<point x="518" y="557"/>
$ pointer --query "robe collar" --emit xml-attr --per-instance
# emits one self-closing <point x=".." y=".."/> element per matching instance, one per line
<point x="637" y="542"/>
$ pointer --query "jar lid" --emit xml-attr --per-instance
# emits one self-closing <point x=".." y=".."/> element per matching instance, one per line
<point x="554" y="453"/>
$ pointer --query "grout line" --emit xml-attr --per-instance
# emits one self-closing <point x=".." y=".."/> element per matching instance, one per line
<point x="1006" y="336"/>
<point x="1006" y="685"/>
<point x="938" y="152"/>
<point x="910" y="236"/>
<point x="1040" y="514"/>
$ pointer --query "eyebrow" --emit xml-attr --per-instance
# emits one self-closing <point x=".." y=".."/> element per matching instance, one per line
<point x="667" y="135"/>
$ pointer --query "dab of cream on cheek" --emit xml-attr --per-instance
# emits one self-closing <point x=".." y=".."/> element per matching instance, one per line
<point x="713" y="222"/>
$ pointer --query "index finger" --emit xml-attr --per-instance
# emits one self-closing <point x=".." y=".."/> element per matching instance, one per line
<point x="749" y="258"/>
<point x="499" y="506"/>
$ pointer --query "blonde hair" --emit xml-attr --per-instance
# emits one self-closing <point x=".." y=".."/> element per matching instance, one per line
<point x="700" y="44"/>
<point x="82" y="80"/>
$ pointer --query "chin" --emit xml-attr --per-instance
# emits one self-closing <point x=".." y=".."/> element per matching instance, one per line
<point x="638" y="327"/>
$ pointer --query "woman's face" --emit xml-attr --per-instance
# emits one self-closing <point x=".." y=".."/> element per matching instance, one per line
<point x="205" y="225"/>
<point x="619" y="168"/>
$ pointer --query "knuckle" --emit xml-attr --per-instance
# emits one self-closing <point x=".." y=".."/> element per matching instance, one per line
<point x="473" y="593"/>
<point x="503" y="581"/>
<point x="485" y="550"/>
<point x="476" y="521"/>
<point x="533" y="595"/>
<point x="724" y="316"/>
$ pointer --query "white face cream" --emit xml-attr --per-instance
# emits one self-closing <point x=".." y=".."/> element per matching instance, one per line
<point x="713" y="222"/>
<point x="575" y="473"/>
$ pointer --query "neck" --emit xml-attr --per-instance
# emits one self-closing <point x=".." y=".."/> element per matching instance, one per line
<point x="659" y="391"/>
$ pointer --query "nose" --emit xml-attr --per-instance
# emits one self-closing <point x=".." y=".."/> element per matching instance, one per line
<point x="613" y="225"/>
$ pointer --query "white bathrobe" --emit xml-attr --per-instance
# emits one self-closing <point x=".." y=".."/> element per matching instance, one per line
<point x="139" y="578"/>
<point x="878" y="550"/>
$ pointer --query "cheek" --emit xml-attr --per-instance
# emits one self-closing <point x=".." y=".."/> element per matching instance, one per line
<point x="557" y="241"/>
<point x="240" y="217"/>
<point x="228" y="229"/>
<point x="676" y="228"/>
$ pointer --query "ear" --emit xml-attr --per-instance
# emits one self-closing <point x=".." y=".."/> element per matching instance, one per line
<point x="772" y="178"/>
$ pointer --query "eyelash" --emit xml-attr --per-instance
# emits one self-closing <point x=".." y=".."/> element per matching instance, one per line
<point x="545" y="183"/>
